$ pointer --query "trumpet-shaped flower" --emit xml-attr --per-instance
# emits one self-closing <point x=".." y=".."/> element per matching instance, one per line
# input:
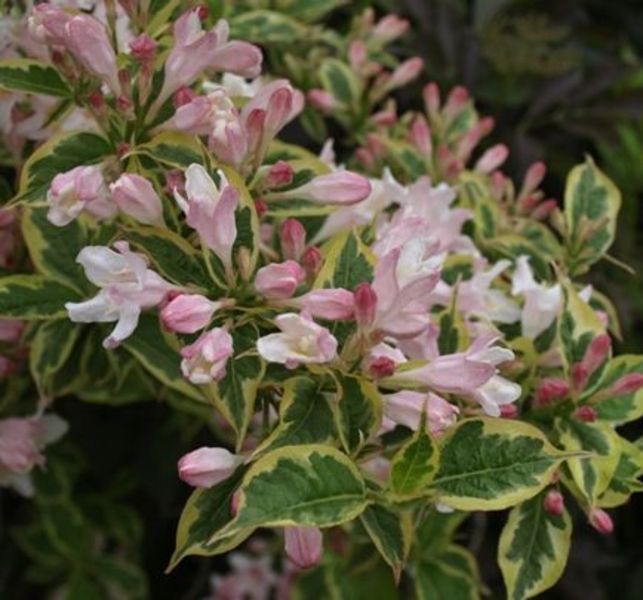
<point x="205" y="360"/>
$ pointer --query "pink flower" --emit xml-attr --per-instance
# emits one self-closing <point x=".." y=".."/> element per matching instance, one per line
<point x="292" y="237"/>
<point x="210" y="210"/>
<point x="136" y="197"/>
<point x="601" y="521"/>
<point x="205" y="360"/>
<point x="554" y="503"/>
<point x="88" y="41"/>
<point x="335" y="304"/>
<point x="80" y="189"/>
<point x="406" y="408"/>
<point x="303" y="545"/>
<point x="627" y="384"/>
<point x="206" y="467"/>
<point x="301" y="341"/>
<point x="47" y="24"/>
<point x="585" y="414"/>
<point x="279" y="280"/>
<point x="143" y="48"/>
<point x="550" y="389"/>
<point x="188" y="313"/>
<point x="338" y="187"/>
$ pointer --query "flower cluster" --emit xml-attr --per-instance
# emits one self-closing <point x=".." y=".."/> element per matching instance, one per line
<point x="389" y="336"/>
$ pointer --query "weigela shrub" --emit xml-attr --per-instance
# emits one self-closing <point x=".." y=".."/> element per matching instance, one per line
<point x="380" y="343"/>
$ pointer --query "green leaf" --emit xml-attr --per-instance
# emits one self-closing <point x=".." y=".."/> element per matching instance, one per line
<point x="49" y="349"/>
<point x="358" y="411"/>
<point x="308" y="10"/>
<point x="32" y="76"/>
<point x="311" y="485"/>
<point x="340" y="82"/>
<point x="490" y="464"/>
<point x="433" y="535"/>
<point x="391" y="533"/>
<point x="206" y="512"/>
<point x="158" y="354"/>
<point x="592" y="474"/>
<point x="33" y="297"/>
<point x="626" y="407"/>
<point x="305" y="417"/>
<point x="347" y="262"/>
<point x="592" y="203"/>
<point x="122" y="578"/>
<point x="52" y="249"/>
<point x="627" y="477"/>
<point x="172" y="257"/>
<point x="533" y="548"/>
<point x="174" y="149"/>
<point x="404" y="158"/>
<point x="236" y="393"/>
<point x="266" y="27"/>
<point x="59" y="154"/>
<point x="415" y="465"/>
<point x="438" y="580"/>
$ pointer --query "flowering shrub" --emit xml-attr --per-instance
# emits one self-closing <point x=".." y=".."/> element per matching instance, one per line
<point x="380" y="344"/>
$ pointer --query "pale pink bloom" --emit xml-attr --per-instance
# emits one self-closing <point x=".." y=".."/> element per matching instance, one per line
<point x="422" y="346"/>
<point x="205" y="360"/>
<point x="338" y="187"/>
<point x="279" y="280"/>
<point x="329" y="303"/>
<point x="303" y="545"/>
<point x="206" y="467"/>
<point x="402" y="283"/>
<point x="292" y="238"/>
<point x="127" y="287"/>
<point x="88" y="41"/>
<point x="188" y="313"/>
<point x="301" y="341"/>
<point x="136" y="197"/>
<point x="21" y="442"/>
<point x="210" y="210"/>
<point x="407" y="407"/>
<point x="389" y="28"/>
<point x="47" y="24"/>
<point x="542" y="303"/>
<point x="80" y="189"/>
<point x="196" y="50"/>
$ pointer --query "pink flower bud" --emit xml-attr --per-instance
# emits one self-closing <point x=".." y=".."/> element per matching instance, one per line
<point x="335" y="304"/>
<point x="579" y="376"/>
<point x="509" y="411"/>
<point x="585" y="414"/>
<point x="597" y="352"/>
<point x="365" y="305"/>
<point x="303" y="546"/>
<point x="544" y="209"/>
<point x="206" y="467"/>
<point x="188" y="313"/>
<point x="456" y="100"/>
<point x="136" y="197"/>
<point x="357" y="54"/>
<point x="420" y="135"/>
<point x="174" y="181"/>
<point x="338" y="187"/>
<point x="389" y="28"/>
<point x="279" y="174"/>
<point x="550" y="389"/>
<point x="47" y="24"/>
<point x="405" y="72"/>
<point x="492" y="158"/>
<point x="628" y="384"/>
<point x="554" y="503"/>
<point x="533" y="178"/>
<point x="88" y="41"/>
<point x="384" y="118"/>
<point x="601" y="521"/>
<point x="431" y="95"/>
<point x="183" y="96"/>
<point x="381" y="367"/>
<point x="406" y="408"/>
<point x="261" y="206"/>
<point x="322" y="100"/>
<point x="143" y="48"/>
<point x="96" y="100"/>
<point x="278" y="281"/>
<point x="205" y="360"/>
<point x="312" y="261"/>
<point x="292" y="237"/>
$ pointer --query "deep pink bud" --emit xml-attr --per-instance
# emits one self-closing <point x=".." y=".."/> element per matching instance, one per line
<point x="278" y="281"/>
<point x="585" y="414"/>
<point x="456" y="101"/>
<point x="389" y="28"/>
<point x="303" y="546"/>
<point x="431" y="95"/>
<point x="261" y="206"/>
<point x="509" y="411"/>
<point x="405" y="72"/>
<point x="381" y="367"/>
<point x="96" y="99"/>
<point x="632" y="382"/>
<point x="384" y="118"/>
<point x="492" y="158"/>
<point x="183" y="96"/>
<point x="420" y="135"/>
<point x="175" y="181"/>
<point x="597" y="352"/>
<point x="206" y="467"/>
<point x="312" y="260"/>
<point x="365" y="305"/>
<point x="550" y="389"/>
<point x="136" y="197"/>
<point x="279" y="174"/>
<point x="143" y="48"/>
<point x="322" y="100"/>
<point x="335" y="304"/>
<point x="544" y="209"/>
<point x="533" y="178"/>
<point x="292" y="236"/>
<point x="554" y="503"/>
<point x="188" y="313"/>
<point x="601" y="521"/>
<point x="579" y="376"/>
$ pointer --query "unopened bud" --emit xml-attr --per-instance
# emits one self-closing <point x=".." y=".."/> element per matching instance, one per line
<point x="143" y="48"/>
<point x="431" y="95"/>
<point x="183" y="96"/>
<point x="456" y="100"/>
<point x="381" y="367"/>
<point x="261" y="206"/>
<point x="544" y="209"/>
<point x="550" y="389"/>
<point x="597" y="352"/>
<point x="365" y="305"/>
<point x="174" y="181"/>
<point x="579" y="376"/>
<point x="279" y="174"/>
<point x="492" y="158"/>
<point x="420" y="135"/>
<point x="292" y="236"/>
<point x="632" y="382"/>
<point x="312" y="261"/>
<point x="601" y="521"/>
<point x="554" y="503"/>
<point x="585" y="414"/>
<point x="533" y="178"/>
<point x="322" y="100"/>
<point x="509" y="411"/>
